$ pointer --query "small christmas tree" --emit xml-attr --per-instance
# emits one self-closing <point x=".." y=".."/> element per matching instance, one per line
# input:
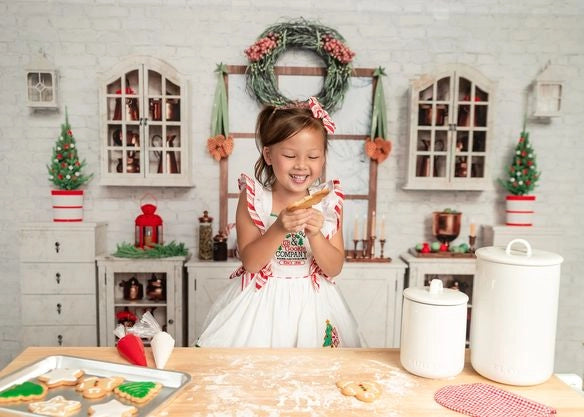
<point x="65" y="168"/>
<point x="523" y="174"/>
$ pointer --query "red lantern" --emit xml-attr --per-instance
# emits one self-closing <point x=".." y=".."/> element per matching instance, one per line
<point x="148" y="227"/>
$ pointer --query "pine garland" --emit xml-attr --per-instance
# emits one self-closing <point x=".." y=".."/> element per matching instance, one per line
<point x="127" y="250"/>
<point x="522" y="171"/>
<point x="65" y="168"/>
<point x="327" y="43"/>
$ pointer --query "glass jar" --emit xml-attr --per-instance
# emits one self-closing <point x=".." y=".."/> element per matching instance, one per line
<point x="220" y="247"/>
<point x="205" y="237"/>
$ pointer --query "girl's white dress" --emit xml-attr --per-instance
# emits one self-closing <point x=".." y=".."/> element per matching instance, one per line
<point x="290" y="302"/>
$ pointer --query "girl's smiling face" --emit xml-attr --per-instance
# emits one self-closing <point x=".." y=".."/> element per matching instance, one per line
<point x="297" y="161"/>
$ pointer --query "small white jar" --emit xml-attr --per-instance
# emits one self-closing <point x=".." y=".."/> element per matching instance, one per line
<point x="433" y="332"/>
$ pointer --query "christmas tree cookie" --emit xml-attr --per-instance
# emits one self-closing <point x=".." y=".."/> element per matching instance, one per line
<point x="138" y="392"/>
<point x="27" y="391"/>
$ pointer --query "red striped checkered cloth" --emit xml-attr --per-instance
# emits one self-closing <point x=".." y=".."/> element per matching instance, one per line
<point x="483" y="400"/>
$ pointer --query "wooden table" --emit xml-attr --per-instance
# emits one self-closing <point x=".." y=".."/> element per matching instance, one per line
<point x="301" y="382"/>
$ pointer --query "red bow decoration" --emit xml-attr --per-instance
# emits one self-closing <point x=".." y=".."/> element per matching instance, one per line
<point x="320" y="113"/>
<point x="220" y="146"/>
<point x="378" y="149"/>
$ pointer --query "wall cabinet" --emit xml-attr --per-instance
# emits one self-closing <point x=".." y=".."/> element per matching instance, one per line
<point x="58" y="287"/>
<point x="144" y="130"/>
<point x="450" y="130"/>
<point x="113" y="277"/>
<point x="373" y="292"/>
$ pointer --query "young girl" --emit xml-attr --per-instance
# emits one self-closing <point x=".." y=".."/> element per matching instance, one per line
<point x="283" y="295"/>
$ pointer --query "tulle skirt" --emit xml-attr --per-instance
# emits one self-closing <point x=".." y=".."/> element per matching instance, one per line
<point x="285" y="312"/>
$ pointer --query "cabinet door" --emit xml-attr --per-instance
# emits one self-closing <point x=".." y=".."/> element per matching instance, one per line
<point x="372" y="301"/>
<point x="145" y="136"/>
<point x="450" y="120"/>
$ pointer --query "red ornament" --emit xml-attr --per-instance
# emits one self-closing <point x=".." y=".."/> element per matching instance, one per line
<point x="530" y="163"/>
<point x="148" y="227"/>
<point x="64" y="165"/>
<point x="131" y="348"/>
<point x="444" y="247"/>
<point x="426" y="248"/>
<point x="69" y="133"/>
<point x="66" y="146"/>
<point x="521" y="139"/>
<point x="77" y="164"/>
<point x="523" y="153"/>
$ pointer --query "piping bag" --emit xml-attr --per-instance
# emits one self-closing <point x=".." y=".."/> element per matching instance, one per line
<point x="130" y="346"/>
<point x="162" y="343"/>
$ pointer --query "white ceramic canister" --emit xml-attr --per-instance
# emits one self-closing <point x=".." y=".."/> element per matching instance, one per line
<point x="433" y="332"/>
<point x="514" y="312"/>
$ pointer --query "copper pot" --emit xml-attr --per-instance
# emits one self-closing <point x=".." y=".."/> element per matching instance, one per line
<point x="156" y="288"/>
<point x="446" y="225"/>
<point x="133" y="290"/>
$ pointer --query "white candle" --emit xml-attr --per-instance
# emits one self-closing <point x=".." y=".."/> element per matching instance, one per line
<point x="373" y="225"/>
<point x="356" y="230"/>
<point x="382" y="231"/>
<point x="473" y="229"/>
<point x="364" y="227"/>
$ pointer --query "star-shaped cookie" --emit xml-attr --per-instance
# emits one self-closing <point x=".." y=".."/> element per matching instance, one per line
<point x="113" y="408"/>
<point x="57" y="406"/>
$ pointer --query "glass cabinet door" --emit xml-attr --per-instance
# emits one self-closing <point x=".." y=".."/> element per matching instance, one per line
<point x="145" y="135"/>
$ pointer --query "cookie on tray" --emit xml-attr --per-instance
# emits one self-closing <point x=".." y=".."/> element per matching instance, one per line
<point x="27" y="391"/>
<point x="138" y="392"/>
<point x="112" y="408"/>
<point x="92" y="387"/>
<point x="57" y="406"/>
<point x="61" y="376"/>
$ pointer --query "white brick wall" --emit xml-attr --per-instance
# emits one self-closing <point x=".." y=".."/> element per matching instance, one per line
<point x="508" y="41"/>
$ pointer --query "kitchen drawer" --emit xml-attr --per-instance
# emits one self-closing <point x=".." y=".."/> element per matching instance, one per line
<point x="79" y="243"/>
<point x="59" y="336"/>
<point x="59" y="309"/>
<point x="58" y="278"/>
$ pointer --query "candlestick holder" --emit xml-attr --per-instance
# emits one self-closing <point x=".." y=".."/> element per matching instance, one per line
<point x="471" y="243"/>
<point x="355" y="243"/>
<point x="382" y="243"/>
<point x="371" y="251"/>
<point x="364" y="250"/>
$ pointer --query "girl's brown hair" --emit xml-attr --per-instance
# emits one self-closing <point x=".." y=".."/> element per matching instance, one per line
<point x="276" y="124"/>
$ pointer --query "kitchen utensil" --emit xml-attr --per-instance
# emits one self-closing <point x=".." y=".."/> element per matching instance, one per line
<point x="133" y="290"/>
<point x="156" y="288"/>
<point x="433" y="330"/>
<point x="446" y="225"/>
<point x="514" y="311"/>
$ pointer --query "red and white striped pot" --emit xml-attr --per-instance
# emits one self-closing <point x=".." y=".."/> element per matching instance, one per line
<point x="520" y="210"/>
<point x="67" y="205"/>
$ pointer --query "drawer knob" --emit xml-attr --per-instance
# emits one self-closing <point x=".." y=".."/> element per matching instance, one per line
<point x="59" y="308"/>
<point x="170" y="321"/>
<point x="58" y="277"/>
<point x="57" y="247"/>
<point x="60" y="340"/>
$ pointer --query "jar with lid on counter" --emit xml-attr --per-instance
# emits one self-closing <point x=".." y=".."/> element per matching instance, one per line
<point x="220" y="247"/>
<point x="205" y="236"/>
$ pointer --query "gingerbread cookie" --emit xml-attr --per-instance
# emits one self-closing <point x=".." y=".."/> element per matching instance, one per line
<point x="93" y="387"/>
<point x="309" y="200"/>
<point x="138" y="392"/>
<point x="113" y="408"/>
<point x="57" y="406"/>
<point x="27" y="391"/>
<point x="58" y="377"/>
<point x="364" y="391"/>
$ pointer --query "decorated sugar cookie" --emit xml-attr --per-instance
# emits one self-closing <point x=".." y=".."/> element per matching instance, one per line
<point x="113" y="408"/>
<point x="57" y="406"/>
<point x="58" y="377"/>
<point x="93" y="387"/>
<point x="27" y="391"/>
<point x="138" y="392"/>
<point x="364" y="391"/>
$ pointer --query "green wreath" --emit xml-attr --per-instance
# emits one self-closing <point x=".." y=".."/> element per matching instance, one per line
<point x="327" y="43"/>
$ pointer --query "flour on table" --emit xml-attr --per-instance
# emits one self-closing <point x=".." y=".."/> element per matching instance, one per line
<point x="312" y="391"/>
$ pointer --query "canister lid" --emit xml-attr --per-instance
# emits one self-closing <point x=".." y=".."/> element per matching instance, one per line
<point x="518" y="252"/>
<point x="435" y="294"/>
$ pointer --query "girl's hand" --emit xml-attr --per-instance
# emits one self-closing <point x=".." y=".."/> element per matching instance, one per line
<point x="294" y="221"/>
<point x="314" y="223"/>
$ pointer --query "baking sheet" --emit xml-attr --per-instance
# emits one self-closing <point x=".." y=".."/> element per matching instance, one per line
<point x="171" y="382"/>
